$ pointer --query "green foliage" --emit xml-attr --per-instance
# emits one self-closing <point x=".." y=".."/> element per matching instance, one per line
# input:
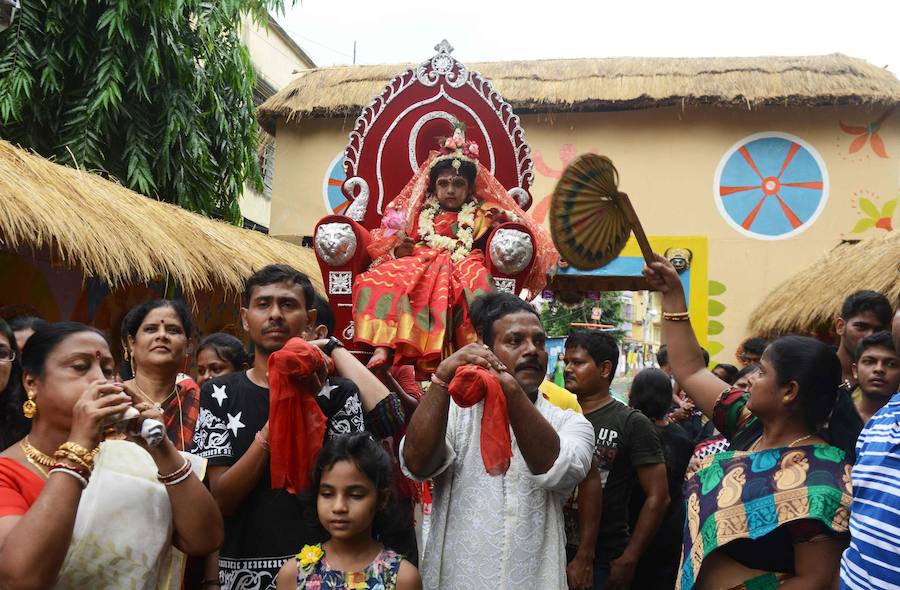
<point x="156" y="94"/>
<point x="557" y="318"/>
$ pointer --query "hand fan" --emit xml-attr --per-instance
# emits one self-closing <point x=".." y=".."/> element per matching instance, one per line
<point x="590" y="220"/>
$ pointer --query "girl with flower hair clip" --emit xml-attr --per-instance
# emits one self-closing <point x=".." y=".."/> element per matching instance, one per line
<point x="351" y="497"/>
<point x="412" y="305"/>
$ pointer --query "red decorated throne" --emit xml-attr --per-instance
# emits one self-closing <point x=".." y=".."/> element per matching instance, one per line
<point x="392" y="137"/>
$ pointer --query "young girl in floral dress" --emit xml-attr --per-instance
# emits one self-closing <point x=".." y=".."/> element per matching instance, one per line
<point x="412" y="304"/>
<point x="351" y="483"/>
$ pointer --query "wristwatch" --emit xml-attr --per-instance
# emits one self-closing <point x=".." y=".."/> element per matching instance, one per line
<point x="332" y="344"/>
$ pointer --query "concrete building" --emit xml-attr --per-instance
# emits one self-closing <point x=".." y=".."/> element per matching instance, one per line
<point x="277" y="59"/>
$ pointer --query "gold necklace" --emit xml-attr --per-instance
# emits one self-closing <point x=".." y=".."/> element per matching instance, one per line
<point x="36" y="457"/>
<point x="159" y="405"/>
<point x="801" y="439"/>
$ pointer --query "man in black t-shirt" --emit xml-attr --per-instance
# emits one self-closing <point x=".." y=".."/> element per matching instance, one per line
<point x="627" y="448"/>
<point x="264" y="527"/>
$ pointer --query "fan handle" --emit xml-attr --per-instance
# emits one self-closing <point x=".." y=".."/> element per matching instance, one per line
<point x="636" y="228"/>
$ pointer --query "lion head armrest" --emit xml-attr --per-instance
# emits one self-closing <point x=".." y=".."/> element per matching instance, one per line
<point x="340" y="244"/>
<point x="510" y="256"/>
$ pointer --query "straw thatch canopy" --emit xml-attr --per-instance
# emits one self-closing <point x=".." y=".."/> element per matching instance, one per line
<point x="809" y="301"/>
<point x="611" y="84"/>
<point x="119" y="236"/>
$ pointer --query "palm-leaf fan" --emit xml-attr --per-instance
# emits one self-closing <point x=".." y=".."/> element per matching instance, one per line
<point x="590" y="220"/>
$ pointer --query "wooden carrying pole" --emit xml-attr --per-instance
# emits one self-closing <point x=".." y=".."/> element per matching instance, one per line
<point x="636" y="227"/>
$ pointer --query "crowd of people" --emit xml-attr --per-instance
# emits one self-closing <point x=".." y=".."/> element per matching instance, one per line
<point x="296" y="465"/>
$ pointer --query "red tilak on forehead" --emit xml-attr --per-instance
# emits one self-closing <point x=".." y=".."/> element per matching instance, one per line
<point x="98" y="353"/>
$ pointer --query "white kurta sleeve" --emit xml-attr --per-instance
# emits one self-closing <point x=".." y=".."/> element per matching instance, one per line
<point x="576" y="447"/>
<point x="449" y="452"/>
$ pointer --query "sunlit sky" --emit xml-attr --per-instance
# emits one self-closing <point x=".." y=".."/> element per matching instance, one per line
<point x="402" y="31"/>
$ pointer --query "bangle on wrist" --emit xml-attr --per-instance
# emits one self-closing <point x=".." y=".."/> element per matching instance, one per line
<point x="261" y="441"/>
<point x="74" y="472"/>
<point x="438" y="381"/>
<point x="177" y="476"/>
<point x="676" y="316"/>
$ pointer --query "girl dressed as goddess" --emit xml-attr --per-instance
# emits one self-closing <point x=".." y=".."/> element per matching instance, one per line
<point x="412" y="305"/>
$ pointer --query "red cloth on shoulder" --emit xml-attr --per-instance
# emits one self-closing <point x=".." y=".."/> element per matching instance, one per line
<point x="19" y="488"/>
<point x="296" y="422"/>
<point x="470" y="385"/>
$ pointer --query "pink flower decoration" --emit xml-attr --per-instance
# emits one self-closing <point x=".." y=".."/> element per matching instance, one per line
<point x="393" y="221"/>
<point x="473" y="148"/>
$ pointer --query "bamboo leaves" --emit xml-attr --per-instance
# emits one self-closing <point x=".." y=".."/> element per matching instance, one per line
<point x="158" y="95"/>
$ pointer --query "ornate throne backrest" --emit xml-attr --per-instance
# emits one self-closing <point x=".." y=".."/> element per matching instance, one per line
<point x="394" y="134"/>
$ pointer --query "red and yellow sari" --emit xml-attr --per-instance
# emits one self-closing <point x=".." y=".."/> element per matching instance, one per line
<point x="419" y="305"/>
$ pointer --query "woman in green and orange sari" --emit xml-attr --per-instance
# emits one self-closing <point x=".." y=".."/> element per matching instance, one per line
<point x="773" y="511"/>
<point x="412" y="305"/>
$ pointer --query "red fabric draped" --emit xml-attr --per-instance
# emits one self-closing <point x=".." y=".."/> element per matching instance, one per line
<point x="296" y="423"/>
<point x="470" y="385"/>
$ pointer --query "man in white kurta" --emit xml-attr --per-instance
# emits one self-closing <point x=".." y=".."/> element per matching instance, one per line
<point x="505" y="531"/>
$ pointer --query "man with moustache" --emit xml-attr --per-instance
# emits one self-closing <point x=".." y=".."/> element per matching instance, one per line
<point x="265" y="527"/>
<point x="500" y="531"/>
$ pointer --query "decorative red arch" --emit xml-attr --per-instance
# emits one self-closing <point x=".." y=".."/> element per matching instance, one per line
<point x="394" y="134"/>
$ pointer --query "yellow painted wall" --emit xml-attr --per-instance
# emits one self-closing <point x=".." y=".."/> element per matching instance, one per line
<point x="667" y="159"/>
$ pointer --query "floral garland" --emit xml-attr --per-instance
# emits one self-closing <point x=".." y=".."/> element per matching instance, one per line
<point x="461" y="245"/>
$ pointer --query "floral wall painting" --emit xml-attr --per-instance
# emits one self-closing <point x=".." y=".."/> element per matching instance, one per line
<point x="567" y="153"/>
<point x="716" y="309"/>
<point x="771" y="186"/>
<point x="865" y="139"/>
<point x="873" y="214"/>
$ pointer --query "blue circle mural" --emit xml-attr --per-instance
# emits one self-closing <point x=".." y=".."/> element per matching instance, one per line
<point x="335" y="201"/>
<point x="771" y="186"/>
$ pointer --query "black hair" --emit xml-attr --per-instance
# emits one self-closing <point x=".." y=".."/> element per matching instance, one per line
<point x="730" y="372"/>
<point x="877" y="340"/>
<point x="751" y="368"/>
<point x="755" y="345"/>
<point x="13" y="424"/>
<point x="24" y="322"/>
<point x="705" y="354"/>
<point x="863" y="301"/>
<point x="279" y="273"/>
<point x="45" y="340"/>
<point x="816" y="369"/>
<point x="227" y="347"/>
<point x="662" y="355"/>
<point x="466" y="169"/>
<point x="599" y="345"/>
<point x="490" y="307"/>
<point x="361" y="449"/>
<point x="136" y="316"/>
<point x="651" y="393"/>
<point x="324" y="315"/>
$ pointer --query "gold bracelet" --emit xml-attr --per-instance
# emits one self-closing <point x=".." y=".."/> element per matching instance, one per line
<point x="76" y="448"/>
<point x="676" y="316"/>
<point x="64" y="454"/>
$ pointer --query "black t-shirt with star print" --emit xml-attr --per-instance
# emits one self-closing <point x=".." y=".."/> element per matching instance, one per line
<point x="269" y="526"/>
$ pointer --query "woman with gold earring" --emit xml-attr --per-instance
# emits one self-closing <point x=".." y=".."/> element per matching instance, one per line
<point x="13" y="404"/>
<point x="143" y="501"/>
<point x="156" y="335"/>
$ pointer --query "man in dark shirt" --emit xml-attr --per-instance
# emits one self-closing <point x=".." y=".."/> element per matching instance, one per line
<point x="862" y="314"/>
<point x="264" y="527"/>
<point x="627" y="449"/>
<point x="877" y="372"/>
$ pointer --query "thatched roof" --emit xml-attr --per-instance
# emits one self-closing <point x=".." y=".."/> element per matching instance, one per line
<point x="809" y="301"/>
<point x="119" y="236"/>
<point x="611" y="84"/>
